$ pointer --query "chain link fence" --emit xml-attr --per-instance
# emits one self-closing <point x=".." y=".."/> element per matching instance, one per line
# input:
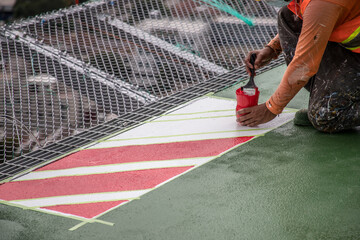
<point x="70" y="70"/>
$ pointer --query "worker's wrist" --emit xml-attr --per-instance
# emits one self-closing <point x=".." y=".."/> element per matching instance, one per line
<point x="273" y="108"/>
<point x="275" y="53"/>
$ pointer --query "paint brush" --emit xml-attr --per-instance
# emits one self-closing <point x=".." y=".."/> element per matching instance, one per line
<point x="250" y="88"/>
<point x="248" y="95"/>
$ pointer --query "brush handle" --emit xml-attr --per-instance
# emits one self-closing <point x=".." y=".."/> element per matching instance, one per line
<point x="252" y="70"/>
<point x="251" y="83"/>
<point x="252" y="61"/>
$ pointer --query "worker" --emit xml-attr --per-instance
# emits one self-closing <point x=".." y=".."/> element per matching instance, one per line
<point x="320" y="40"/>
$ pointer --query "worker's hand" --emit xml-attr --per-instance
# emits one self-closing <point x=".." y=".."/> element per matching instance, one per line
<point x="263" y="57"/>
<point x="254" y="116"/>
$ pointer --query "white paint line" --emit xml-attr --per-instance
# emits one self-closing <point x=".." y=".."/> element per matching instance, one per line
<point x="171" y="139"/>
<point x="190" y="130"/>
<point x="193" y="126"/>
<point x="81" y="198"/>
<point x="163" y="131"/>
<point x="113" y="168"/>
<point x="206" y="104"/>
<point x="207" y="125"/>
<point x="194" y="116"/>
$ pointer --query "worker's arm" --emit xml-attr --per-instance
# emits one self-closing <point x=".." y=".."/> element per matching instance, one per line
<point x="319" y="21"/>
<point x="274" y="44"/>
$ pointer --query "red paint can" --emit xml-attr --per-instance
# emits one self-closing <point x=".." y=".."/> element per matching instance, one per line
<point x="246" y="97"/>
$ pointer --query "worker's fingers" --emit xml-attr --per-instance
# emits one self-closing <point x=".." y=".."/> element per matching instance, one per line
<point x="244" y="111"/>
<point x="254" y="115"/>
<point x="263" y="57"/>
<point x="253" y="124"/>
<point x="259" y="61"/>
<point x="249" y="123"/>
<point x="248" y="118"/>
<point x="248" y="65"/>
<point x="248" y="56"/>
<point x="246" y="122"/>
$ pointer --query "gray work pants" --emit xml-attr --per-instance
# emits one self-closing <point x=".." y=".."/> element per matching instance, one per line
<point x="334" y="103"/>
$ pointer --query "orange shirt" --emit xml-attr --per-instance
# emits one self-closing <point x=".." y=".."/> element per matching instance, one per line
<point x="320" y="18"/>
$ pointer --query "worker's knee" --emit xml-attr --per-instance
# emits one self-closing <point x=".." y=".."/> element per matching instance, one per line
<point x="333" y="112"/>
<point x="324" y="120"/>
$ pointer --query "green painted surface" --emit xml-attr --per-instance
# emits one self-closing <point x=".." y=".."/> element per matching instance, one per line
<point x="293" y="183"/>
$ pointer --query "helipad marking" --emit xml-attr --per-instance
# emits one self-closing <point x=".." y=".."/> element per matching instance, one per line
<point x="88" y="210"/>
<point x="87" y="184"/>
<point x="198" y="136"/>
<point x="141" y="153"/>
<point x="81" y="198"/>
<point x="195" y="113"/>
<point x="112" y="168"/>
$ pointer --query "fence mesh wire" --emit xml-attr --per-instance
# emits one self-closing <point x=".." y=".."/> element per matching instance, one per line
<point x="73" y="69"/>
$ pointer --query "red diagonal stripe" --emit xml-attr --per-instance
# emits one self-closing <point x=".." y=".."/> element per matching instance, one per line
<point x="166" y="151"/>
<point x="87" y="210"/>
<point x="111" y="182"/>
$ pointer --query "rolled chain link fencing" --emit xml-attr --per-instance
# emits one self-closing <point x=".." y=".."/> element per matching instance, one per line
<point x="70" y="70"/>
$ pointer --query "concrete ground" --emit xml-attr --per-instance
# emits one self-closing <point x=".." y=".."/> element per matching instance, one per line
<point x="292" y="183"/>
